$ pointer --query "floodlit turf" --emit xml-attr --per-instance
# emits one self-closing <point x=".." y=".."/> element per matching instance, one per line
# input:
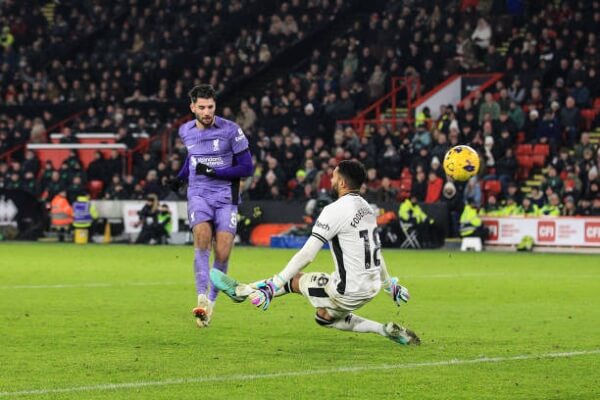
<point x="76" y="320"/>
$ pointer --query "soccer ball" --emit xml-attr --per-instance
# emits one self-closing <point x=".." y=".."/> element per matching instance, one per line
<point x="461" y="163"/>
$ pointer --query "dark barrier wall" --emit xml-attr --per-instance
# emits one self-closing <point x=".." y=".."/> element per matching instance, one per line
<point x="293" y="212"/>
<point x="21" y="215"/>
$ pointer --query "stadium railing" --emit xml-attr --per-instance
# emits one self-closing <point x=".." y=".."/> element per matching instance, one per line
<point x="57" y="152"/>
<point x="7" y="156"/>
<point x="377" y="113"/>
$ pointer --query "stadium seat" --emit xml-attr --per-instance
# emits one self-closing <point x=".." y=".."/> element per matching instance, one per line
<point x="95" y="188"/>
<point x="588" y="116"/>
<point x="525" y="164"/>
<point x="524" y="150"/>
<point x="538" y="160"/>
<point x="525" y="161"/>
<point x="542" y="148"/>
<point x="406" y="184"/>
<point x="406" y="174"/>
<point x="396" y="184"/>
<point x="563" y="175"/>
<point x="521" y="137"/>
<point x="291" y="185"/>
<point x="492" y="187"/>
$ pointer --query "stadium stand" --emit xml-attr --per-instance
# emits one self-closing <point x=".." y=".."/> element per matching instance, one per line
<point x="543" y="114"/>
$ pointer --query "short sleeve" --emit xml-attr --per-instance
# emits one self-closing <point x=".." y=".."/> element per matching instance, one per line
<point x="327" y="225"/>
<point x="239" y="142"/>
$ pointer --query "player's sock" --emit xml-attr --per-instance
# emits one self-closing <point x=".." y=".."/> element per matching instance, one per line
<point x="285" y="289"/>
<point x="201" y="269"/>
<point x="354" y="323"/>
<point x="212" y="294"/>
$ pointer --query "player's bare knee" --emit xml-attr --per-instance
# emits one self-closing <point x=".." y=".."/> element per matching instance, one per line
<point x="294" y="283"/>
<point x="202" y="236"/>
<point x="202" y="242"/>
<point x="323" y="318"/>
<point x="221" y="254"/>
<point x="223" y="245"/>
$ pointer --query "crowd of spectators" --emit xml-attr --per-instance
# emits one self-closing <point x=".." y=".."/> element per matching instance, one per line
<point x="549" y="70"/>
<point x="133" y="61"/>
<point x="30" y="40"/>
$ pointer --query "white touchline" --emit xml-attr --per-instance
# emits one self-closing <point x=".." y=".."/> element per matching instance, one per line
<point x="90" y="285"/>
<point x="287" y="374"/>
<point x="436" y="276"/>
<point x="507" y="275"/>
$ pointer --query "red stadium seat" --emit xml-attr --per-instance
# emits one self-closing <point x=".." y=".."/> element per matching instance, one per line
<point x="406" y="174"/>
<point x="588" y="116"/>
<point x="292" y="183"/>
<point x="563" y="175"/>
<point x="525" y="161"/>
<point x="492" y="187"/>
<point x="597" y="104"/>
<point x="95" y="188"/>
<point x="542" y="149"/>
<point x="396" y="184"/>
<point x="538" y="160"/>
<point x="521" y="137"/>
<point x="525" y="165"/>
<point x="524" y="150"/>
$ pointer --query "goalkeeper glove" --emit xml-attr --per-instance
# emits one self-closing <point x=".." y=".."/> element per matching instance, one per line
<point x="265" y="291"/>
<point x="398" y="292"/>
<point x="203" y="169"/>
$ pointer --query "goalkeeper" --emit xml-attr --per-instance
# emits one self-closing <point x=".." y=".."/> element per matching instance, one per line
<point x="349" y="226"/>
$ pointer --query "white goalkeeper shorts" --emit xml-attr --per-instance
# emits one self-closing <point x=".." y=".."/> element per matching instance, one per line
<point x="313" y="286"/>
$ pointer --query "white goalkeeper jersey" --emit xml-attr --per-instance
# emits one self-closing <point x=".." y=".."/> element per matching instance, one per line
<point x="350" y="226"/>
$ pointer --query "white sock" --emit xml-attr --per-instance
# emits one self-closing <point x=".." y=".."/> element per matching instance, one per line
<point x="355" y="323"/>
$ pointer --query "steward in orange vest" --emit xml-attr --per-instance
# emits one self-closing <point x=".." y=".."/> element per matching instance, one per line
<point x="61" y="213"/>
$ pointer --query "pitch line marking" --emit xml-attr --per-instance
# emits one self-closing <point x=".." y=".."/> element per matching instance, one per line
<point x="91" y="285"/>
<point x="436" y="276"/>
<point x="507" y="275"/>
<point x="289" y="374"/>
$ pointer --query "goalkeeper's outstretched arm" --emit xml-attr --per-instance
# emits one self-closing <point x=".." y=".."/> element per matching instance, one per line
<point x="383" y="273"/>
<point x="391" y="286"/>
<point x="266" y="290"/>
<point x="301" y="259"/>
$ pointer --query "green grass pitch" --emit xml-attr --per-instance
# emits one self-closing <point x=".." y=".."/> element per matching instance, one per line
<point x="114" y="322"/>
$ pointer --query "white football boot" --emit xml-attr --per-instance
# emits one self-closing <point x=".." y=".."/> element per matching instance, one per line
<point x="203" y="312"/>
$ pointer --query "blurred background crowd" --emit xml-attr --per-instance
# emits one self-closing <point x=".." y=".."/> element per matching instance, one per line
<point x="125" y="68"/>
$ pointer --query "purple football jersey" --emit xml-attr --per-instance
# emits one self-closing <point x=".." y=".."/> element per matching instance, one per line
<point x="215" y="147"/>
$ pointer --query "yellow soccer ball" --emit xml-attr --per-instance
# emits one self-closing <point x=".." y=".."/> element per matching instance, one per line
<point x="461" y="163"/>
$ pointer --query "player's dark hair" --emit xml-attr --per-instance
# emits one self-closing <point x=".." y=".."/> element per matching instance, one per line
<point x="202" y="92"/>
<point x="353" y="172"/>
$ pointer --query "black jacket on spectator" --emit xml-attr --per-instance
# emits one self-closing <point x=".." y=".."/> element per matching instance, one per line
<point x="97" y="170"/>
<point x="506" y="166"/>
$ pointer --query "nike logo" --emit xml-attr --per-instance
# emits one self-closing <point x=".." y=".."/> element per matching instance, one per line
<point x="190" y="147"/>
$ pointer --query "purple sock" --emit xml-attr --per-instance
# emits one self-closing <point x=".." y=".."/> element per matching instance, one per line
<point x="212" y="295"/>
<point x="201" y="269"/>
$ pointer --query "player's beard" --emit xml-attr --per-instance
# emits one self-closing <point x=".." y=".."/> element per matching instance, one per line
<point x="334" y="191"/>
<point x="204" y="121"/>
